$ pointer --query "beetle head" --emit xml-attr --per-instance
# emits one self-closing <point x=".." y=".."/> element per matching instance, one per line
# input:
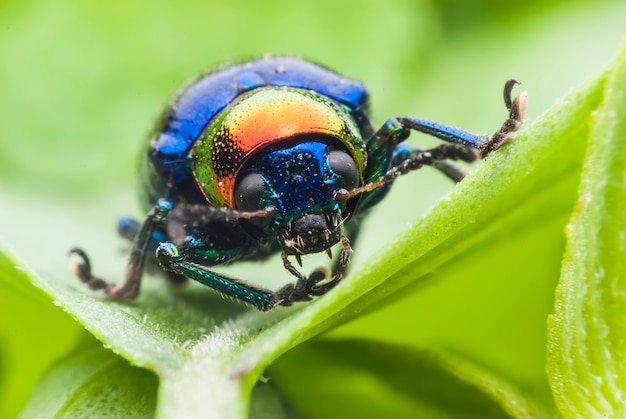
<point x="299" y="182"/>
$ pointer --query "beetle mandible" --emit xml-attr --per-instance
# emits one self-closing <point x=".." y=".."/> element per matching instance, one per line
<point x="273" y="155"/>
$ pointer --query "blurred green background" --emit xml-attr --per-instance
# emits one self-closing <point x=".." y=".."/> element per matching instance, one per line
<point x="81" y="83"/>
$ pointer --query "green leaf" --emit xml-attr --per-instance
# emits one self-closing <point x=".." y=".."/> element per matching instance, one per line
<point x="368" y="379"/>
<point x="587" y="340"/>
<point x="209" y="355"/>
<point x="93" y="382"/>
<point x="533" y="170"/>
<point x="33" y="334"/>
<point x="62" y="139"/>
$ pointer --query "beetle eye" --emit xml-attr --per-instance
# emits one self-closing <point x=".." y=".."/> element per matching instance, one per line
<point x="249" y="192"/>
<point x="343" y="165"/>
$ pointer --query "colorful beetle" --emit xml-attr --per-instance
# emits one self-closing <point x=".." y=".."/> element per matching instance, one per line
<point x="276" y="154"/>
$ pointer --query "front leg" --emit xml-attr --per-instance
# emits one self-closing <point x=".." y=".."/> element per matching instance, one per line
<point x="317" y="283"/>
<point x="129" y="288"/>
<point x="396" y="130"/>
<point x="461" y="145"/>
<point x="381" y="146"/>
<point x="188" y="260"/>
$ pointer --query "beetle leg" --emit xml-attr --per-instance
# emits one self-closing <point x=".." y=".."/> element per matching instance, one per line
<point x="517" y="110"/>
<point x="461" y="145"/>
<point x="451" y="170"/>
<point x="316" y="284"/>
<point x="128" y="229"/>
<point x="306" y="288"/>
<point x="129" y="288"/>
<point x="184" y="262"/>
<point x="81" y="266"/>
<point x="292" y="270"/>
<point x="398" y="129"/>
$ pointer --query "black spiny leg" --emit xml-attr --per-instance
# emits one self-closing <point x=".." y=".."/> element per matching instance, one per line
<point x="317" y="283"/>
<point x="193" y="259"/>
<point x="451" y="170"/>
<point x="461" y="145"/>
<point x="129" y="288"/>
<point x="128" y="229"/>
<point x="81" y="266"/>
<point x="517" y="110"/>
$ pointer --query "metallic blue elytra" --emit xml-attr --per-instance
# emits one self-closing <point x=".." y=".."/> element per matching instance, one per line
<point x="197" y="104"/>
<point x="275" y="155"/>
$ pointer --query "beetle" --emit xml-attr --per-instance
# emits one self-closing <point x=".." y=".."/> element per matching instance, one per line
<point x="272" y="155"/>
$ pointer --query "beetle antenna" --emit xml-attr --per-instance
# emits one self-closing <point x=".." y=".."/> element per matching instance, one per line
<point x="203" y="213"/>
<point x="183" y="214"/>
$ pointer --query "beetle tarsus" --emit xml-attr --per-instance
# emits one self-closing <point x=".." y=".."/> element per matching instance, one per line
<point x="288" y="265"/>
<point x="81" y="266"/>
<point x="517" y="111"/>
<point x="129" y="288"/>
<point x="305" y="289"/>
<point x="508" y="89"/>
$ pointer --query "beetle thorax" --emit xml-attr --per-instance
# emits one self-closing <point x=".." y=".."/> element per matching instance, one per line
<point x="263" y="119"/>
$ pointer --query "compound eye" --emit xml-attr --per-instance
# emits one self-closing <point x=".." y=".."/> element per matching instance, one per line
<point x="249" y="192"/>
<point x="344" y="165"/>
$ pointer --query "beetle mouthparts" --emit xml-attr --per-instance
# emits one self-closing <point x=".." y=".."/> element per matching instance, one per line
<point x="311" y="233"/>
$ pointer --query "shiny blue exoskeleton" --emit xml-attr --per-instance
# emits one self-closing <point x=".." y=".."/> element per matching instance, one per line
<point x="273" y="155"/>
<point x="166" y="171"/>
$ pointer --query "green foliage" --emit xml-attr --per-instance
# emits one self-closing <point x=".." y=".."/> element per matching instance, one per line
<point x="94" y="382"/>
<point x="446" y="320"/>
<point x="587" y="340"/>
